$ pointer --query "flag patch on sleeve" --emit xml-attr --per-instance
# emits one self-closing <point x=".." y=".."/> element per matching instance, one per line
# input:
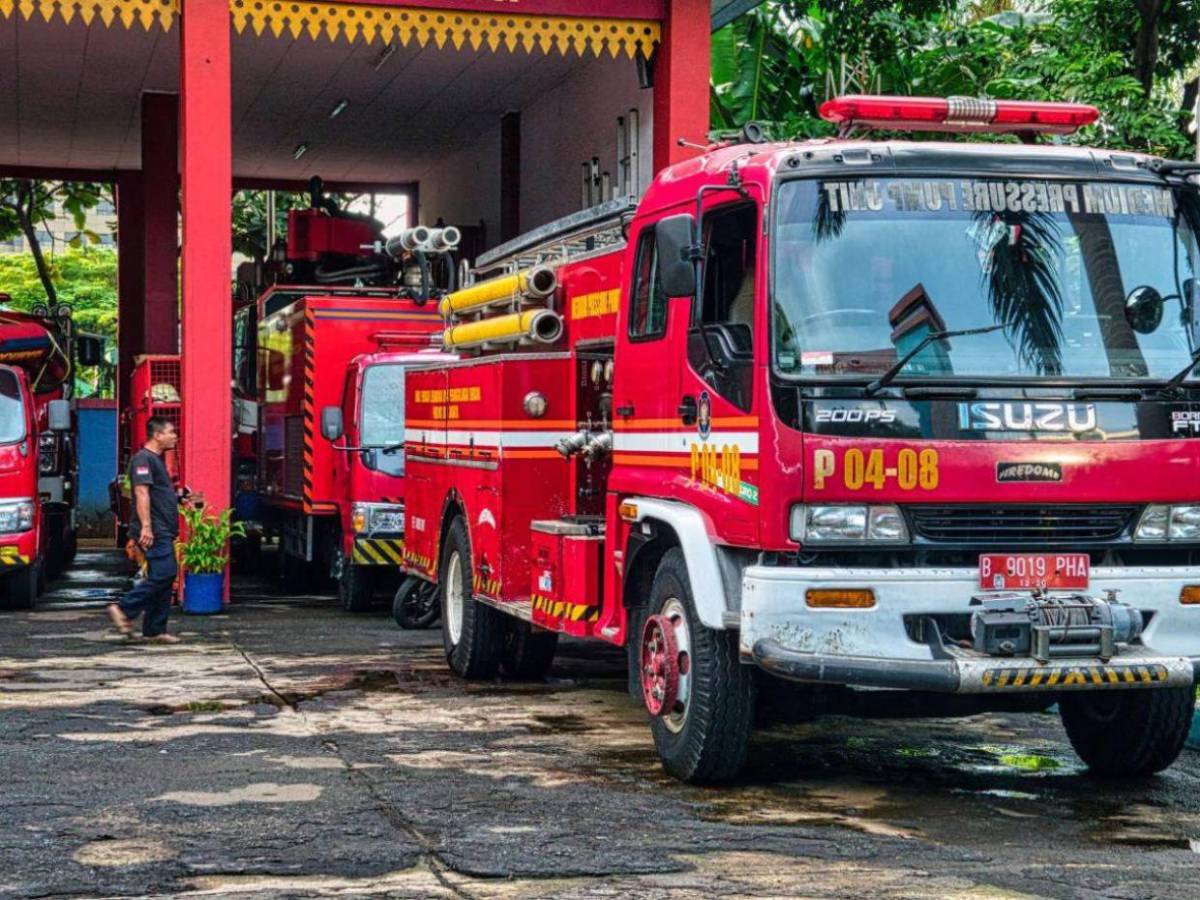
<point x="142" y="470"/>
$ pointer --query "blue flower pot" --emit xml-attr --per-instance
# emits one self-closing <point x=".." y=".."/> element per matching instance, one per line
<point x="203" y="594"/>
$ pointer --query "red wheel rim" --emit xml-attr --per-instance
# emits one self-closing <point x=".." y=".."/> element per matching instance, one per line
<point x="659" y="666"/>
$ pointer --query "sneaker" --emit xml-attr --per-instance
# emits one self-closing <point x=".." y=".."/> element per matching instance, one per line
<point x="164" y="639"/>
<point x="119" y="619"/>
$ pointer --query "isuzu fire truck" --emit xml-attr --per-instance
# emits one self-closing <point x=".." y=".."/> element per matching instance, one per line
<point x="38" y="458"/>
<point x="338" y="351"/>
<point x="912" y="421"/>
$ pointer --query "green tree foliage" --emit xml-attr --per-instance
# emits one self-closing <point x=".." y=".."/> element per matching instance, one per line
<point x="86" y="279"/>
<point x="1130" y="58"/>
<point x="250" y="220"/>
<point x="27" y="206"/>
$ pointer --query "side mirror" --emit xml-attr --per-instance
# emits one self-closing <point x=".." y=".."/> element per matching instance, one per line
<point x="332" y="427"/>
<point x="1144" y="309"/>
<point x="58" y="412"/>
<point x="89" y="350"/>
<point x="674" y="238"/>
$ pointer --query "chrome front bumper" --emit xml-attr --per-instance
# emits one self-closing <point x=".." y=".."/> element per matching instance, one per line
<point x="872" y="648"/>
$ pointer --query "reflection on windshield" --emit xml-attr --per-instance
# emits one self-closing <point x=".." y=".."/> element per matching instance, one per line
<point x="864" y="270"/>
<point x="12" y="410"/>
<point x="383" y="415"/>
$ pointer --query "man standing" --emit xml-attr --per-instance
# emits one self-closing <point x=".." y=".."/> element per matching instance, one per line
<point x="154" y="525"/>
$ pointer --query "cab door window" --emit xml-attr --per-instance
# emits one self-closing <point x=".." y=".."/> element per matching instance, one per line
<point x="382" y="418"/>
<point x="648" y="304"/>
<point x="721" y="340"/>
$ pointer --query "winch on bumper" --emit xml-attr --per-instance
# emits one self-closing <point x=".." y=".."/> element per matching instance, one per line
<point x="1147" y="639"/>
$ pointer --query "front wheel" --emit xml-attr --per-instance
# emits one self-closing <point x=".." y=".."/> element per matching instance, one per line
<point x="356" y="587"/>
<point x="23" y="586"/>
<point x="415" y="605"/>
<point x="472" y="632"/>
<point x="528" y="651"/>
<point x="1122" y="733"/>
<point x="699" y="695"/>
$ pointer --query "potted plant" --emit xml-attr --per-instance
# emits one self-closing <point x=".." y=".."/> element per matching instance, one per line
<point x="204" y="554"/>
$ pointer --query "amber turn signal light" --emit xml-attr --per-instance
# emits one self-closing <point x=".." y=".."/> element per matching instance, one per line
<point x="628" y="512"/>
<point x="1190" y="594"/>
<point x="839" y="599"/>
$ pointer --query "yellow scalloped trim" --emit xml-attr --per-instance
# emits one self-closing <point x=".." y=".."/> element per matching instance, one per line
<point x="355" y="21"/>
<point x="406" y="24"/>
<point x="147" y="13"/>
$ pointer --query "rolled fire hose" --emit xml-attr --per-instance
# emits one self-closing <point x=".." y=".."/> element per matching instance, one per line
<point x="535" y="284"/>
<point x="538" y="325"/>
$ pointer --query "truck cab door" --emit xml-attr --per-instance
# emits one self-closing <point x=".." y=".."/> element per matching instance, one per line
<point x="719" y="371"/>
<point x="650" y="448"/>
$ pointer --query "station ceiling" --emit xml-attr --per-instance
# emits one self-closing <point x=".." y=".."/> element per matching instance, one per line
<point x="70" y="98"/>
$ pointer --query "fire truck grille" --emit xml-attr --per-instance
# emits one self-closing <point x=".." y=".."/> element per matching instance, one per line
<point x="1009" y="525"/>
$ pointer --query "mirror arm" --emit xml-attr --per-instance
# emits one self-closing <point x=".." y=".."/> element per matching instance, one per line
<point x="345" y="448"/>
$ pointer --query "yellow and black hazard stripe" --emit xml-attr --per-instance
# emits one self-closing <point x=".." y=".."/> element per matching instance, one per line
<point x="378" y="552"/>
<point x="486" y="585"/>
<point x="310" y="337"/>
<point x="561" y="609"/>
<point x="11" y="556"/>
<point x="416" y="560"/>
<point x="1057" y="677"/>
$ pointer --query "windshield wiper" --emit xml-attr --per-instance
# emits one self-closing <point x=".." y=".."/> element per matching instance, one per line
<point x="392" y="448"/>
<point x="1176" y="381"/>
<point x="890" y="375"/>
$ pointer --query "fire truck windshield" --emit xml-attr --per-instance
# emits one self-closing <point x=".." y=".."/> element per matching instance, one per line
<point x="12" y="409"/>
<point x="1087" y="280"/>
<point x="383" y="416"/>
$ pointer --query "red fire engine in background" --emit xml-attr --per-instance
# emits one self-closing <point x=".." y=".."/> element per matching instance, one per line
<point x="347" y="313"/>
<point x="858" y="414"/>
<point x="38" y="452"/>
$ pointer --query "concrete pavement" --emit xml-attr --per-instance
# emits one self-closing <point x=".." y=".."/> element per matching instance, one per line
<point x="289" y="749"/>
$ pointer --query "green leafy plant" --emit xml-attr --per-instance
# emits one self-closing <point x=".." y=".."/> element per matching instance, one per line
<point x="206" y="548"/>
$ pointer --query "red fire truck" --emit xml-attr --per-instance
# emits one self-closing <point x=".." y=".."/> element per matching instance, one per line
<point x="38" y="459"/>
<point x="341" y="353"/>
<point x="891" y="420"/>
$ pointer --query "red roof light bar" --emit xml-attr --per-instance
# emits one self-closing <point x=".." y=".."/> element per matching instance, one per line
<point x="958" y="114"/>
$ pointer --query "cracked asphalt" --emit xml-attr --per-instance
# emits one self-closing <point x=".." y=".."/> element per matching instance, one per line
<point x="288" y="749"/>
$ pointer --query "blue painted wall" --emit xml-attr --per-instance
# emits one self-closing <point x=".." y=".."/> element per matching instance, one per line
<point x="97" y="465"/>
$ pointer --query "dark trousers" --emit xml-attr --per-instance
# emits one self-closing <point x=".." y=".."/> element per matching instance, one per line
<point x="152" y="594"/>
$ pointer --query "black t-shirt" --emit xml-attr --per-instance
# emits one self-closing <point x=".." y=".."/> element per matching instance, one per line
<point x="148" y="468"/>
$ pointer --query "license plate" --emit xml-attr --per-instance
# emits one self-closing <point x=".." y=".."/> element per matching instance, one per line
<point x="1025" y="571"/>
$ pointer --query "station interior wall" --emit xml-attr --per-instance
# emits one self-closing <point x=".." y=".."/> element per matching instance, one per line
<point x="559" y="132"/>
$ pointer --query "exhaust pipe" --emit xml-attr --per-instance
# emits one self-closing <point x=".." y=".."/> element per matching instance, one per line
<point x="533" y="284"/>
<point x="408" y="240"/>
<point x="538" y="326"/>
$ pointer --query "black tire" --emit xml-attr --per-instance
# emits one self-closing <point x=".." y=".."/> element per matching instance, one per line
<point x="708" y="741"/>
<point x="416" y="604"/>
<point x="356" y="587"/>
<point x="475" y="652"/>
<point x="56" y="547"/>
<point x="1128" y="733"/>
<point x="72" y="547"/>
<point x="528" y="652"/>
<point x="293" y="574"/>
<point x="22" y="587"/>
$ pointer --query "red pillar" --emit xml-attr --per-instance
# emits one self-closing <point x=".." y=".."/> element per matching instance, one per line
<point x="160" y="191"/>
<point x="130" y="280"/>
<point x="681" y="75"/>
<point x="207" y="147"/>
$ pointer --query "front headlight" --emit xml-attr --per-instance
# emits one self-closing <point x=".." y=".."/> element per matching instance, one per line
<point x="377" y="517"/>
<point x="16" y="515"/>
<point x="847" y="524"/>
<point x="1168" y="523"/>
